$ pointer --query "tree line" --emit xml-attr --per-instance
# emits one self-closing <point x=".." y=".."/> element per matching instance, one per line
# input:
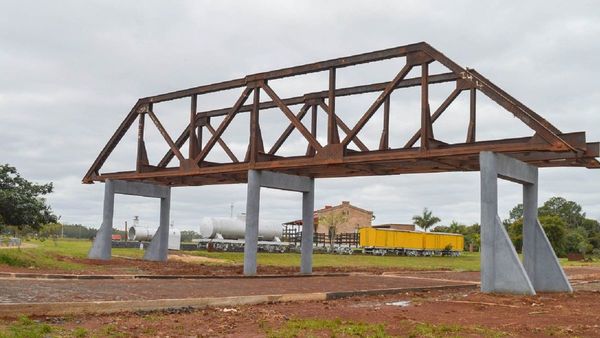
<point x="566" y="226"/>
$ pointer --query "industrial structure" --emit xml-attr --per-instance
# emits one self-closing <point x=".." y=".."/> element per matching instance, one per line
<point x="340" y="152"/>
<point x="349" y="218"/>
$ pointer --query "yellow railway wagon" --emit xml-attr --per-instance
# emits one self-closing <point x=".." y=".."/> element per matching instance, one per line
<point x="382" y="241"/>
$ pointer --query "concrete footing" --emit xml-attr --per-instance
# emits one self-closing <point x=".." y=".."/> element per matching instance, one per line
<point x="158" y="248"/>
<point x="273" y="180"/>
<point x="501" y="269"/>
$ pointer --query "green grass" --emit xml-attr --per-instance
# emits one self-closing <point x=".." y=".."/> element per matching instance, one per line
<point x="324" y="327"/>
<point x="52" y="254"/>
<point x="465" y="262"/>
<point x="452" y="330"/>
<point x="25" y="327"/>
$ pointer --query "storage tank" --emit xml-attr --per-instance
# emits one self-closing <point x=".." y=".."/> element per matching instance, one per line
<point x="144" y="234"/>
<point x="234" y="228"/>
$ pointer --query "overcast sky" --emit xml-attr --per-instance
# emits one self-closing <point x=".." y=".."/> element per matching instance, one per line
<point x="71" y="70"/>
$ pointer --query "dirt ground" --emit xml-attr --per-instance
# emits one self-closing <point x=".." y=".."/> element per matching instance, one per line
<point x="176" y="265"/>
<point x="432" y="313"/>
<point x="452" y="313"/>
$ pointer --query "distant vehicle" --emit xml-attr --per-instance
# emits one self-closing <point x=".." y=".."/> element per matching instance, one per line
<point x="410" y="243"/>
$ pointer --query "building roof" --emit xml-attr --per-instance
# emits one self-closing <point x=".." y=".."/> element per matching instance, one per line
<point x="329" y="208"/>
<point x="344" y="204"/>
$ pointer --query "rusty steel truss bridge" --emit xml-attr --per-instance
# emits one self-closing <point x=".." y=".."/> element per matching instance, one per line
<point x="342" y="153"/>
<point x="546" y="147"/>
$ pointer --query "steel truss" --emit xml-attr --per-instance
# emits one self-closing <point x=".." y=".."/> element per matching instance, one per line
<point x="547" y="147"/>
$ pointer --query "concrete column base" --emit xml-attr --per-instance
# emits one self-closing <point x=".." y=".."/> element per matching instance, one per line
<point x="501" y="268"/>
<point x="158" y="249"/>
<point x="274" y="180"/>
<point x="102" y="245"/>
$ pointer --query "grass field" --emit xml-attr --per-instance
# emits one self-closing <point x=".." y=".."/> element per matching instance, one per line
<point x="50" y="254"/>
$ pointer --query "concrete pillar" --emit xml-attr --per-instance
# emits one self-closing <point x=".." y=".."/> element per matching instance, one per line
<point x="252" y="214"/>
<point x="101" y="248"/>
<point x="158" y="250"/>
<point x="308" y="208"/>
<point x="539" y="258"/>
<point x="501" y="269"/>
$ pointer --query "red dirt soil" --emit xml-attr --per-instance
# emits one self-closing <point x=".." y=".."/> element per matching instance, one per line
<point x="469" y="312"/>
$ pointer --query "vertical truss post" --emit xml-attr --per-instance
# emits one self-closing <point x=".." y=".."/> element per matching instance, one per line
<point x="425" y="114"/>
<point x="255" y="134"/>
<point x="199" y="137"/>
<point x="193" y="140"/>
<point x="310" y="151"/>
<point x="332" y="131"/>
<point x="142" y="156"/>
<point x="472" y="117"/>
<point x="384" y="143"/>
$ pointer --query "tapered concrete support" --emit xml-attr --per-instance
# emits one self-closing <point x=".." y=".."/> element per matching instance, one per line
<point x="252" y="214"/>
<point x="101" y="248"/>
<point x="308" y="229"/>
<point x="501" y="269"/>
<point x="273" y="180"/>
<point x="158" y="250"/>
<point x="539" y="259"/>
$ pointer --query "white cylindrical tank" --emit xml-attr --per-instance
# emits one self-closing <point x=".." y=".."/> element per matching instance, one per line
<point x="234" y="228"/>
<point x="174" y="239"/>
<point x="141" y="233"/>
<point x="144" y="234"/>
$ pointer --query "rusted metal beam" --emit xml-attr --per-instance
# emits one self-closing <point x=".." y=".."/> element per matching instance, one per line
<point x="310" y="151"/>
<point x="472" y="115"/>
<point x="222" y="143"/>
<point x="426" y="127"/>
<point x="112" y="143"/>
<point x="547" y="147"/>
<point x="378" y="102"/>
<point x="384" y="142"/>
<point x="344" y="127"/>
<point x="347" y="91"/>
<point x="417" y="135"/>
<point x="142" y="155"/>
<point x="224" y="124"/>
<point x="193" y="144"/>
<point x="290" y="128"/>
<point x="332" y="129"/>
<point x="301" y="128"/>
<point x="165" y="135"/>
<point x="256" y="143"/>
<point x="440" y="78"/>
<point x="456" y="151"/>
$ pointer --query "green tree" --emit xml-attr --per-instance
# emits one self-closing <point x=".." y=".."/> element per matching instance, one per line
<point x="575" y="240"/>
<point x="570" y="212"/>
<point x="553" y="226"/>
<point x="425" y="220"/>
<point x="188" y="235"/>
<point x="332" y="220"/>
<point x="21" y="201"/>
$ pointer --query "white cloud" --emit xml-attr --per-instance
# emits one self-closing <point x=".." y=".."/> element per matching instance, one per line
<point x="70" y="73"/>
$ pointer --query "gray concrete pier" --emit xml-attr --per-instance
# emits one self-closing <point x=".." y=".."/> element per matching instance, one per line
<point x="274" y="180"/>
<point x="158" y="248"/>
<point x="501" y="268"/>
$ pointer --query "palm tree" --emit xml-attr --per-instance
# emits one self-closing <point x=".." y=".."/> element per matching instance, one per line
<point x="426" y="220"/>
